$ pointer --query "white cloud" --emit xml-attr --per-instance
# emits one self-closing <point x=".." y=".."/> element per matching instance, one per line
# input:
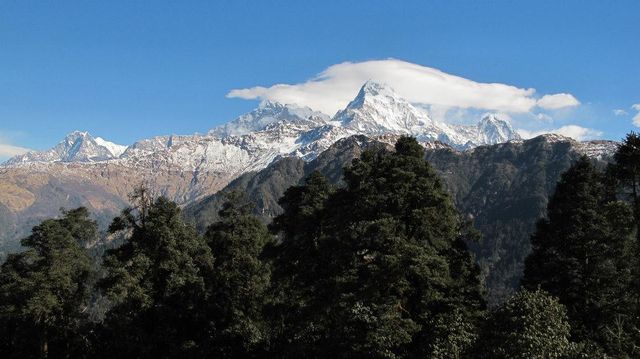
<point x="574" y="131"/>
<point x="543" y="117"/>
<point x="620" y="112"/>
<point x="7" y="150"/>
<point x="333" y="88"/>
<point x="578" y="132"/>
<point x="636" y="118"/>
<point x="557" y="101"/>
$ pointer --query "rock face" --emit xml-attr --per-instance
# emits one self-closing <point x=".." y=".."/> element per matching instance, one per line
<point x="83" y="170"/>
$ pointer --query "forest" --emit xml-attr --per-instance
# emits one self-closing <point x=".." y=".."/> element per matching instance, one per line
<point x="377" y="267"/>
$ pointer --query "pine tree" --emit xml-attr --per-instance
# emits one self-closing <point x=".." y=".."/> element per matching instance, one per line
<point x="239" y="279"/>
<point x="156" y="282"/>
<point x="581" y="254"/>
<point x="625" y="173"/>
<point x="530" y="325"/>
<point x="298" y="265"/>
<point x="44" y="291"/>
<point x="384" y="256"/>
<point x="626" y="169"/>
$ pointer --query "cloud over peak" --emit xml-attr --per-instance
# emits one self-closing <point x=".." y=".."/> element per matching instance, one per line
<point x="334" y="87"/>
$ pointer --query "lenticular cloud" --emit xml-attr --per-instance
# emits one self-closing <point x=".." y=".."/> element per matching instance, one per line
<point x="332" y="89"/>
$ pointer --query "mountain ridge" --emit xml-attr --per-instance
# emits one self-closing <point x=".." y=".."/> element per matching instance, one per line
<point x="273" y="130"/>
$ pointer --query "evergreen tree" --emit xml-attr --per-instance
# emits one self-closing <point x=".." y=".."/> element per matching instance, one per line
<point x="298" y="266"/>
<point x="239" y="279"/>
<point x="581" y="255"/>
<point x="625" y="172"/>
<point x="44" y="291"/>
<point x="626" y="169"/>
<point x="156" y="282"/>
<point x="384" y="256"/>
<point x="530" y="325"/>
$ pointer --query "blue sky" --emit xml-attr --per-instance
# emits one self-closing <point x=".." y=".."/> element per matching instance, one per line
<point x="126" y="70"/>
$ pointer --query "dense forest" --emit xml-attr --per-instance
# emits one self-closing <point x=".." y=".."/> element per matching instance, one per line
<point x="378" y="266"/>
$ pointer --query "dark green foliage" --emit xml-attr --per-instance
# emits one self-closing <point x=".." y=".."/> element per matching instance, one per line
<point x="44" y="291"/>
<point x="239" y="280"/>
<point x="371" y="265"/>
<point x="626" y="170"/>
<point x="504" y="188"/>
<point x="378" y="268"/>
<point x="581" y="255"/>
<point x="156" y="282"/>
<point x="530" y="325"/>
<point x="299" y="264"/>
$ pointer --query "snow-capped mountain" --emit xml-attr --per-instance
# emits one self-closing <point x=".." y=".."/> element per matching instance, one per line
<point x="274" y="130"/>
<point x="115" y="149"/>
<point x="89" y="171"/>
<point x="269" y="113"/>
<point x="76" y="147"/>
<point x="379" y="110"/>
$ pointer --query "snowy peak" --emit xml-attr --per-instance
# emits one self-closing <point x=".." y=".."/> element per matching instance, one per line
<point x="492" y="129"/>
<point x="78" y="146"/>
<point x="273" y="130"/>
<point x="115" y="149"/>
<point x="269" y="113"/>
<point x="378" y="110"/>
<point x="373" y="92"/>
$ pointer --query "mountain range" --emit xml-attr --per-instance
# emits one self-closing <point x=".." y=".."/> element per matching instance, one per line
<point x="186" y="168"/>
<point x="255" y="139"/>
<point x="269" y="149"/>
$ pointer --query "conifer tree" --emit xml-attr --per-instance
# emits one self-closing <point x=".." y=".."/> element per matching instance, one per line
<point x="530" y="325"/>
<point x="581" y="254"/>
<point x="239" y="280"/>
<point x="389" y="269"/>
<point x="299" y="265"/>
<point x="156" y="282"/>
<point x="44" y="291"/>
<point x="625" y="172"/>
<point x="626" y="169"/>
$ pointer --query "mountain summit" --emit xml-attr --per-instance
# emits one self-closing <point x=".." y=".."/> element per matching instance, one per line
<point x="266" y="114"/>
<point x="378" y="110"/>
<point x="78" y="146"/>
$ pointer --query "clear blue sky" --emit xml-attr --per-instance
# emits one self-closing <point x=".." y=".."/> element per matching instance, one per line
<point x="126" y="70"/>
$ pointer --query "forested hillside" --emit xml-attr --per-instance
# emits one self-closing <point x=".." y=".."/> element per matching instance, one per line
<point x="502" y="188"/>
<point x="375" y="266"/>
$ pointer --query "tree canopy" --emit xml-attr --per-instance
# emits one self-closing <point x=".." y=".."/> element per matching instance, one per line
<point x="44" y="291"/>
<point x="389" y="269"/>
